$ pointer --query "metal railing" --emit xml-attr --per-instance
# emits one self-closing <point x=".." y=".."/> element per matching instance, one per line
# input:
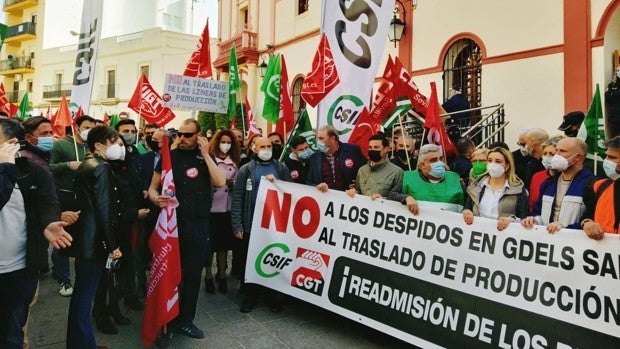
<point x="57" y="91"/>
<point x="484" y="128"/>
<point x="24" y="28"/>
<point x="246" y="40"/>
<point x="16" y="63"/>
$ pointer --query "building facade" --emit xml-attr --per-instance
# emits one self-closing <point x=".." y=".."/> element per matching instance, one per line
<point x="541" y="59"/>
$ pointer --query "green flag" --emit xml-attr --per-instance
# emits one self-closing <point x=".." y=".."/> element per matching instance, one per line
<point x="302" y="128"/>
<point x="114" y="120"/>
<point x="271" y="90"/>
<point x="234" y="83"/>
<point x="3" y="30"/>
<point x="592" y="131"/>
<point x="24" y="107"/>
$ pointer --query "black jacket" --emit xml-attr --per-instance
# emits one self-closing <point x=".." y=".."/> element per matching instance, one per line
<point x="350" y="160"/>
<point x="40" y="203"/>
<point x="97" y="196"/>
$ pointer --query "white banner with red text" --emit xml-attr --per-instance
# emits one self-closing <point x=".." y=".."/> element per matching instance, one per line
<point x="432" y="280"/>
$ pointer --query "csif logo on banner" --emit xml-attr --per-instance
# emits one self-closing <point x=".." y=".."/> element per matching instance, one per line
<point x="357" y="11"/>
<point x="83" y="68"/>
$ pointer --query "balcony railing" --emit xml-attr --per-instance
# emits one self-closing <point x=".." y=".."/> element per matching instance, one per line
<point x="24" y="62"/>
<point x="16" y="96"/>
<point x="21" y="29"/>
<point x="246" y="46"/>
<point x="16" y="6"/>
<point x="57" y="91"/>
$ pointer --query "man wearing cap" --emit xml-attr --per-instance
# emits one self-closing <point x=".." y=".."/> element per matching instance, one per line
<point x="571" y="123"/>
<point x="455" y="104"/>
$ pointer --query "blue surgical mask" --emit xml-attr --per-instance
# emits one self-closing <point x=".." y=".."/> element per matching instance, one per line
<point x="546" y="161"/>
<point x="322" y="147"/>
<point x="45" y="143"/>
<point x="306" y="154"/>
<point x="610" y="169"/>
<point x="438" y="169"/>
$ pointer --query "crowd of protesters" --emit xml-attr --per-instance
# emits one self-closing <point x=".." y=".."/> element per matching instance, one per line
<point x="95" y="196"/>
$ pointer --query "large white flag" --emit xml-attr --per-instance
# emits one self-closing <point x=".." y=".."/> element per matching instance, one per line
<point x="86" y="59"/>
<point x="357" y="33"/>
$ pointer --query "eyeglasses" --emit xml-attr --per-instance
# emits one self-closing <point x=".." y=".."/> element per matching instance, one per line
<point x="186" y="134"/>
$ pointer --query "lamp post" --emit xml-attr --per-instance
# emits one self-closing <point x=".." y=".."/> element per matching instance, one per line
<point x="395" y="33"/>
<point x="263" y="65"/>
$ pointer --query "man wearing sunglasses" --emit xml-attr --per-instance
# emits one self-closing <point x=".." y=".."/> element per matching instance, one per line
<point x="195" y="174"/>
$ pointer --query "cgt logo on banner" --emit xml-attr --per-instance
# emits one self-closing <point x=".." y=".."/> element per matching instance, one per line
<point x="432" y="280"/>
<point x="310" y="268"/>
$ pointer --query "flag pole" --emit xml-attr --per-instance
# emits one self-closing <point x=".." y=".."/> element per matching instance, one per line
<point x="402" y="129"/>
<point x="77" y="157"/>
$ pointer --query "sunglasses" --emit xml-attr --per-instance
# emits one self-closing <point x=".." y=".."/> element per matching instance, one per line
<point x="186" y="134"/>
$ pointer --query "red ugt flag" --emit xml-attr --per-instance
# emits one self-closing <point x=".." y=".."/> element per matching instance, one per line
<point x="162" y="297"/>
<point x="287" y="118"/>
<point x="436" y="131"/>
<point x="365" y="127"/>
<point x="199" y="64"/>
<point x="323" y="77"/>
<point x="252" y="126"/>
<point x="148" y="104"/>
<point x="385" y="98"/>
<point x="5" y="105"/>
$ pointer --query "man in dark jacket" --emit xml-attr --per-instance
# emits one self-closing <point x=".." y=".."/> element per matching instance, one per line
<point x="245" y="192"/>
<point x="29" y="214"/>
<point x="336" y="164"/>
<point x="297" y="161"/>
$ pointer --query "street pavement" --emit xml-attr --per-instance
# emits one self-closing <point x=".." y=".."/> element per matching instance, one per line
<point x="300" y="325"/>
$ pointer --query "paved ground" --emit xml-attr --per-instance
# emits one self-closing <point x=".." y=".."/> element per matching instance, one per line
<point x="300" y="325"/>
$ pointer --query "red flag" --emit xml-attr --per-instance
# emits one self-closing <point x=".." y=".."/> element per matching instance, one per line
<point x="148" y="104"/>
<point x="162" y="297"/>
<point x="323" y="77"/>
<point x="252" y="126"/>
<point x="287" y="116"/>
<point x="436" y="131"/>
<point x="78" y="113"/>
<point x="6" y="106"/>
<point x="406" y="87"/>
<point x="233" y="123"/>
<point x="63" y="115"/>
<point x="106" y="118"/>
<point x="385" y="98"/>
<point x="365" y="127"/>
<point x="58" y="131"/>
<point x="199" y="64"/>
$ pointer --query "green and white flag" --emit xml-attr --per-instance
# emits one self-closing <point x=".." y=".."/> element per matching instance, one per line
<point x="302" y="128"/>
<point x="3" y="30"/>
<point x="24" y="108"/>
<point x="270" y="88"/>
<point x="234" y="83"/>
<point x="592" y="131"/>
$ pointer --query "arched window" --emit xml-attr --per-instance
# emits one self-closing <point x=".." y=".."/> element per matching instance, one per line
<point x="298" y="102"/>
<point x="462" y="66"/>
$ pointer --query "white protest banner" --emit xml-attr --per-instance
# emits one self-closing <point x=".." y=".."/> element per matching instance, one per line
<point x="195" y="93"/>
<point x="432" y="280"/>
<point x="86" y="59"/>
<point x="357" y="33"/>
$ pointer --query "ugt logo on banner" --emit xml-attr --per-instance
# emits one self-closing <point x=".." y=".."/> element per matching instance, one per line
<point x="311" y="266"/>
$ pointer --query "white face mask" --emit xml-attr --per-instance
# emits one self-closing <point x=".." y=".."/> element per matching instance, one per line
<point x="264" y="155"/>
<point x="610" y="169"/>
<point x="495" y="170"/>
<point x="546" y="161"/>
<point x="559" y="163"/>
<point x="115" y="152"/>
<point x="225" y="147"/>
<point x="84" y="134"/>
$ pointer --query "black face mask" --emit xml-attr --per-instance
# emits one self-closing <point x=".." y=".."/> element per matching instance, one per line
<point x="402" y="154"/>
<point x="375" y="155"/>
<point x="277" y="150"/>
<point x="153" y="144"/>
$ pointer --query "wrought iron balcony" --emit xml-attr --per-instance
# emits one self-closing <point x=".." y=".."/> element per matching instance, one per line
<point x="56" y="91"/>
<point x="18" y="33"/>
<point x="16" y="65"/>
<point x="17" y="6"/>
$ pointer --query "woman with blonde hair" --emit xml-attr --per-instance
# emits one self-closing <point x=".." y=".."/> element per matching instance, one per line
<point x="498" y="194"/>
